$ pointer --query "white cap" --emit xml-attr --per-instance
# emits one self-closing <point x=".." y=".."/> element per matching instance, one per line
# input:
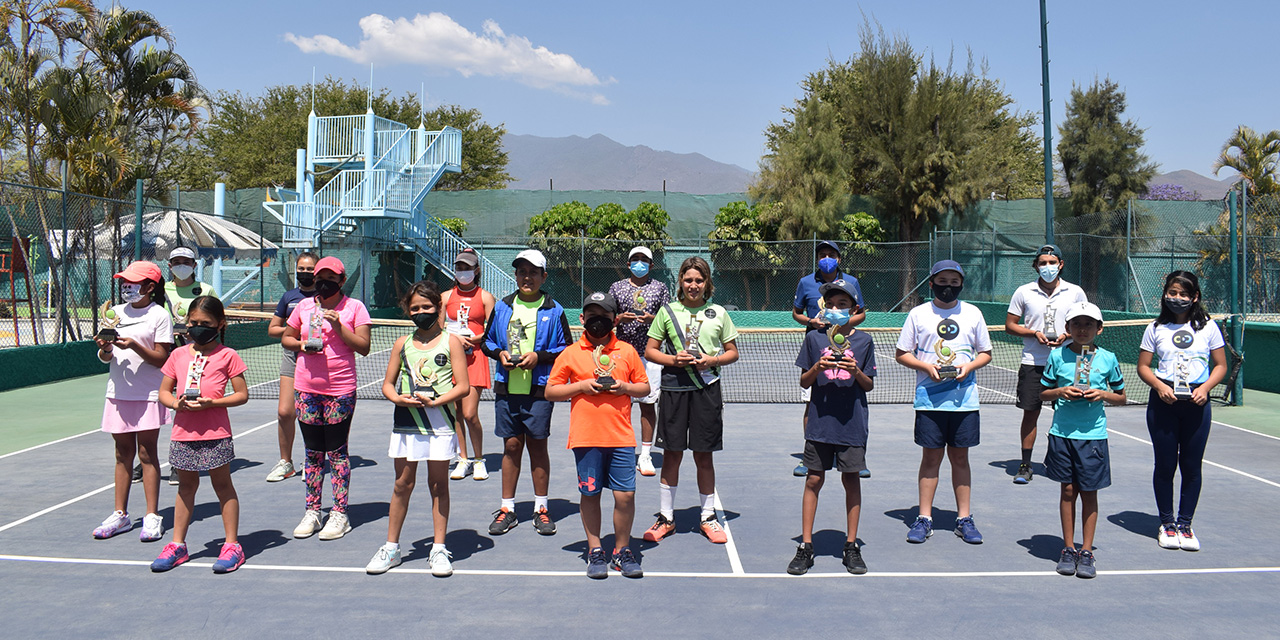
<point x="1086" y="309"/>
<point x="644" y="251"/>
<point x="533" y="257"/>
<point x="182" y="252"/>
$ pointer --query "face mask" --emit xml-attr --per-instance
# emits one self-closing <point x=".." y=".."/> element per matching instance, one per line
<point x="1177" y="305"/>
<point x="306" y="280"/>
<point x="1049" y="272"/>
<point x="464" y="277"/>
<point x="947" y="294"/>
<point x="426" y="320"/>
<point x="131" y="292"/>
<point x="181" y="271"/>
<point x="639" y="268"/>
<point x="598" y="326"/>
<point x="327" y="288"/>
<point x="202" y="335"/>
<point x="828" y="265"/>
<point x="837" y="317"/>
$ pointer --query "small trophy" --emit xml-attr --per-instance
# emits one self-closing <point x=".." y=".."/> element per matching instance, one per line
<point x="110" y="319"/>
<point x="464" y="327"/>
<point x="1050" y="327"/>
<point x="691" y="333"/>
<point x="1084" y="365"/>
<point x="515" y="335"/>
<point x="195" y="371"/>
<point x="946" y="356"/>
<point x="1181" y="373"/>
<point x="839" y="343"/>
<point x="315" y="332"/>
<point x="422" y="379"/>
<point x="638" y="302"/>
<point x="604" y="368"/>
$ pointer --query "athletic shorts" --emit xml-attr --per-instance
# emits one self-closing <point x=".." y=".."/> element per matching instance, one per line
<point x="1029" y="387"/>
<point x="416" y="447"/>
<point x="1083" y="463"/>
<point x="820" y="456"/>
<point x="612" y="468"/>
<point x="938" y="429"/>
<point x="521" y="415"/>
<point x="692" y="420"/>
<point x="654" y="373"/>
<point x="288" y="363"/>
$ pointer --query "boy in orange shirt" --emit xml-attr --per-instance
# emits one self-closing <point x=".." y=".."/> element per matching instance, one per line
<point x="601" y="374"/>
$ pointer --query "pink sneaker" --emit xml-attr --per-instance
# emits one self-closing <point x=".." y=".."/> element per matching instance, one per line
<point x="230" y="559"/>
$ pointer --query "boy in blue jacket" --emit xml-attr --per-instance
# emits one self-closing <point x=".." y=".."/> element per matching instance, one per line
<point x="525" y="334"/>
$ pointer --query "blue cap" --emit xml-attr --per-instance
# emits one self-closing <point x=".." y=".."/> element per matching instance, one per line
<point x="827" y="244"/>
<point x="843" y="286"/>
<point x="946" y="265"/>
<point x="1049" y="250"/>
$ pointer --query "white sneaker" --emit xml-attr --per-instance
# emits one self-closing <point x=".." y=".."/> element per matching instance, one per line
<point x="439" y="561"/>
<point x="283" y="469"/>
<point x="1168" y="536"/>
<point x="1187" y="539"/>
<point x="645" y="465"/>
<point x="336" y="526"/>
<point x="460" y="469"/>
<point x="309" y="525"/>
<point x="383" y="560"/>
<point x="478" y="470"/>
<point x="117" y="522"/>
<point x="152" y="528"/>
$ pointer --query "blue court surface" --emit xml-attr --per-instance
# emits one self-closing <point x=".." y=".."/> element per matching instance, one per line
<point x="60" y="582"/>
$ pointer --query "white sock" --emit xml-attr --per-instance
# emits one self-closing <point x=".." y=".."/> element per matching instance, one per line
<point x="539" y="503"/>
<point x="666" y="501"/>
<point x="392" y="546"/>
<point x="708" y="505"/>
<point x="646" y="448"/>
<point x="509" y="504"/>
<point x="440" y="547"/>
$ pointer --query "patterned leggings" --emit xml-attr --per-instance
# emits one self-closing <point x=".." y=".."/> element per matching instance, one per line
<point x="313" y="476"/>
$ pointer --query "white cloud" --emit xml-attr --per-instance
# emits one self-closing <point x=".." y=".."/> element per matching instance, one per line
<point x="434" y="40"/>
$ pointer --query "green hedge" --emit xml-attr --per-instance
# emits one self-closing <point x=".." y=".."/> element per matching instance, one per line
<point x="40" y="364"/>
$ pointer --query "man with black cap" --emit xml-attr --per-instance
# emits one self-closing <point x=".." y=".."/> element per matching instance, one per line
<point x="1037" y="314"/>
<point x="807" y="310"/>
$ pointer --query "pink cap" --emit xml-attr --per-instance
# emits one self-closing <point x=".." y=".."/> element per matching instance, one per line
<point x="140" y="271"/>
<point x="331" y="263"/>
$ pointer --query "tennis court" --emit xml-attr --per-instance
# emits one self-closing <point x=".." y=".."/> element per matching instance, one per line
<point x="62" y="582"/>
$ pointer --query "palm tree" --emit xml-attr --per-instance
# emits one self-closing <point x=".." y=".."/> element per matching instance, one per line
<point x="1254" y="157"/>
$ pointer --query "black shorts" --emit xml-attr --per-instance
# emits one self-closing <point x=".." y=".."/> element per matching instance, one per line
<point x="1029" y="387"/>
<point x="1083" y="463"/>
<point x="820" y="456"/>
<point x="938" y="429"/>
<point x="691" y="420"/>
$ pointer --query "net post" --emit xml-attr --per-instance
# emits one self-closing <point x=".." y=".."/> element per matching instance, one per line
<point x="137" y="219"/>
<point x="1236" y="327"/>
<point x="1128" y="250"/>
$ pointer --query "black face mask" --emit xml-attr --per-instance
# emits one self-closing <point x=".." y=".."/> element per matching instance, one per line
<point x="947" y="294"/>
<point x="327" y="288"/>
<point x="598" y="326"/>
<point x="202" y="335"/>
<point x="306" y="280"/>
<point x="1177" y="305"/>
<point x="426" y="320"/>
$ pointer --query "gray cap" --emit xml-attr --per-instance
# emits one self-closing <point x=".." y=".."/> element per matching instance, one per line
<point x="946" y="265"/>
<point x="467" y="257"/>
<point x="843" y="286"/>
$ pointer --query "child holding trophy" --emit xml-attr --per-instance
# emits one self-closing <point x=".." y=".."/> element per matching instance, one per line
<point x="691" y="338"/>
<point x="1189" y="361"/>
<point x="426" y="374"/>
<point x="1078" y="378"/>
<point x="945" y="341"/>
<point x="135" y="341"/>
<point x="195" y="386"/>
<point x="467" y="307"/>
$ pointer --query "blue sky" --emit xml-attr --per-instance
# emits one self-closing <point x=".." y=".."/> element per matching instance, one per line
<point x="708" y="77"/>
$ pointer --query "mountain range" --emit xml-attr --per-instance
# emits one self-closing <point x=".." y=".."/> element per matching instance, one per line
<point x="1208" y="188"/>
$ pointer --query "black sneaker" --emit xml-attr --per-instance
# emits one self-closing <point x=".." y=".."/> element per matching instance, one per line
<point x="1085" y="568"/>
<point x="503" y="521"/>
<point x="1067" y="562"/>
<point x="597" y="566"/>
<point x="803" y="560"/>
<point x="853" y="559"/>
<point x="137" y="473"/>
<point x="542" y="523"/>
<point x="1024" y="474"/>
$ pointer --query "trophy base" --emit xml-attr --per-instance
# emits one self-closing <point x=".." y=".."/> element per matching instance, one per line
<point x="948" y="372"/>
<point x="313" y="345"/>
<point x="1081" y="386"/>
<point x="1181" y="395"/>
<point x="191" y="395"/>
<point x="606" y="382"/>
<point x="694" y="351"/>
<point x="108" y="335"/>
<point x="1050" y="336"/>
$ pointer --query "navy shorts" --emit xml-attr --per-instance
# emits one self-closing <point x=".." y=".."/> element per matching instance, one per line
<point x="521" y="415"/>
<point x="938" y="429"/>
<point x="612" y="468"/>
<point x="1083" y="463"/>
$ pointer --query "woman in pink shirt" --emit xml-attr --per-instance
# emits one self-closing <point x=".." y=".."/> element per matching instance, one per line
<point x="327" y="331"/>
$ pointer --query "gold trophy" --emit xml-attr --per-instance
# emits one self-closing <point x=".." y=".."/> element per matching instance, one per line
<point x="422" y="381"/>
<point x="691" y="333"/>
<point x="1050" y="327"/>
<point x="1084" y="365"/>
<point x="195" y="371"/>
<point x="604" y="368"/>
<point x="315" y="332"/>
<point x="1182" y="375"/>
<point x="110" y="319"/>
<point x="515" y="335"/>
<point x="839" y="343"/>
<point x="638" y="302"/>
<point x="946" y="356"/>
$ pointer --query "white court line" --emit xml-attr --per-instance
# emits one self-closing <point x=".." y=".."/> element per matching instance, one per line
<point x="662" y="574"/>
<point x="1232" y="426"/>
<point x="49" y="443"/>
<point x="95" y="492"/>
<point x="735" y="562"/>
<point x="1208" y="462"/>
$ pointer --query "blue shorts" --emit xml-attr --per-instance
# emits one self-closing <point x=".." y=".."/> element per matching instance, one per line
<point x="1083" y="463"/>
<point x="615" y="466"/>
<point x="938" y="429"/>
<point x="521" y="415"/>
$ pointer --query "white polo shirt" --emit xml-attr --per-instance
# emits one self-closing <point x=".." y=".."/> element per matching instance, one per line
<point x="1031" y="303"/>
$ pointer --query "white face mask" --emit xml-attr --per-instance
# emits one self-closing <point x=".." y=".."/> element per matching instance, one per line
<point x="131" y="292"/>
<point x="181" y="271"/>
<point x="465" y="277"/>
<point x="1049" y="272"/>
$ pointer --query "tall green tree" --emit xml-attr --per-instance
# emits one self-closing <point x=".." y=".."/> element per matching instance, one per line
<point x="1254" y="156"/>
<point x="1101" y="153"/>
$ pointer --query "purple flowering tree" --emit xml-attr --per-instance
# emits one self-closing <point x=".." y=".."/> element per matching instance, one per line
<point x="1171" y="192"/>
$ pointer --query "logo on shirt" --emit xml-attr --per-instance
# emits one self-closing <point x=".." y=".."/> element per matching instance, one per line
<point x="709" y="313"/>
<point x="948" y="329"/>
<point x="1183" y="339"/>
<point x="441" y="360"/>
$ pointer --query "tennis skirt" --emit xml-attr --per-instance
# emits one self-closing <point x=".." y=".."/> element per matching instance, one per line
<point x="131" y="416"/>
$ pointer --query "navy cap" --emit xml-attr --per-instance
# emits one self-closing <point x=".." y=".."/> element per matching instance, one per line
<point x="1049" y="250"/>
<point x="843" y="286"/>
<point x="602" y="300"/>
<point x="946" y="265"/>
<point x="827" y="244"/>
